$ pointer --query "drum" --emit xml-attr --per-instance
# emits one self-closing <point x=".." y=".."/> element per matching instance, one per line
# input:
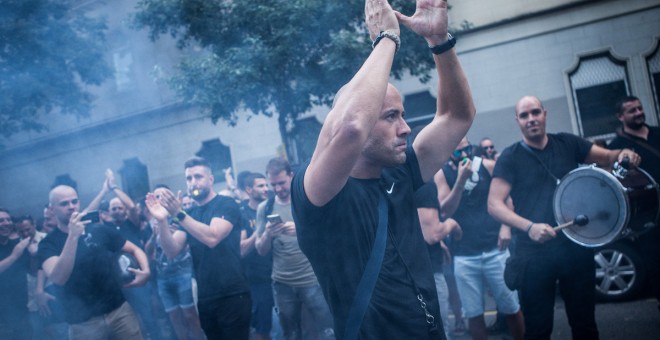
<point x="615" y="207"/>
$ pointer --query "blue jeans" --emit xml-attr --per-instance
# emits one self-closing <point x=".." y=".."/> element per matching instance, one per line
<point x="262" y="307"/>
<point x="176" y="291"/>
<point x="290" y="300"/>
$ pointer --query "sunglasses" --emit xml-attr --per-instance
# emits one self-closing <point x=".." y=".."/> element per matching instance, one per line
<point x="5" y="219"/>
<point x="459" y="152"/>
<point x="489" y="147"/>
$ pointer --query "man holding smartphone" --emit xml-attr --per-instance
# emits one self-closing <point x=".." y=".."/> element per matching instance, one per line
<point x="80" y="257"/>
<point x="295" y="287"/>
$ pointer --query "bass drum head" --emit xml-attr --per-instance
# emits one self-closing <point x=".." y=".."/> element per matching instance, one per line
<point x="598" y="195"/>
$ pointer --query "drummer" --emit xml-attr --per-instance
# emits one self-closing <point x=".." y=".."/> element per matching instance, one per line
<point x="529" y="171"/>
<point x="634" y="133"/>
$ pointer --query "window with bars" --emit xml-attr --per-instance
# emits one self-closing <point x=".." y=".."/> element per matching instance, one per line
<point x="597" y="82"/>
<point x="653" y="63"/>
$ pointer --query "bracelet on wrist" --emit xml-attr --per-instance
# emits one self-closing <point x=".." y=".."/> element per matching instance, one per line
<point x="390" y="35"/>
<point x="445" y="46"/>
<point x="529" y="226"/>
<point x="113" y="187"/>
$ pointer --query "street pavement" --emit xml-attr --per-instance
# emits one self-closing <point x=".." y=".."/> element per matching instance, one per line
<point x="634" y="320"/>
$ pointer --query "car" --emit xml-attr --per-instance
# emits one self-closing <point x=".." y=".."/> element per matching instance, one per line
<point x="621" y="274"/>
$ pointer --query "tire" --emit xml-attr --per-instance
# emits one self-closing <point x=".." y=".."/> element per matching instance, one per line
<point x="620" y="272"/>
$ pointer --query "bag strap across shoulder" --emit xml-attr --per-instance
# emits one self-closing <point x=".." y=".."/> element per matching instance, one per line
<point x="640" y="142"/>
<point x="368" y="281"/>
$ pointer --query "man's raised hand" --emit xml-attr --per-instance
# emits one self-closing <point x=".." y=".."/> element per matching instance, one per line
<point x="430" y="21"/>
<point x="155" y="208"/>
<point x="76" y="226"/>
<point x="379" y="17"/>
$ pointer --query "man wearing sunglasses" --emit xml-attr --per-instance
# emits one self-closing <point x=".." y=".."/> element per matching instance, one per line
<point x="528" y="172"/>
<point x="479" y="256"/>
<point x="489" y="148"/>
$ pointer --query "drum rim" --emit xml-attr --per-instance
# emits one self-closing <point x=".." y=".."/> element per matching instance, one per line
<point x="619" y="193"/>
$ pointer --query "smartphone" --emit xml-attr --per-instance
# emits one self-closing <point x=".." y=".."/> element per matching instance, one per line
<point x="274" y="219"/>
<point x="92" y="216"/>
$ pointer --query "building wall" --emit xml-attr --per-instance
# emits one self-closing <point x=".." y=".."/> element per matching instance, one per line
<point x="481" y="13"/>
<point x="532" y="56"/>
<point x="139" y="120"/>
<point x="523" y="48"/>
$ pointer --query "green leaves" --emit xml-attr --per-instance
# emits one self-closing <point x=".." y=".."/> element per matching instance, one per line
<point x="271" y="55"/>
<point x="46" y="54"/>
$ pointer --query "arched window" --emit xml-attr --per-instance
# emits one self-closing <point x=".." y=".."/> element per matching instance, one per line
<point x="218" y="154"/>
<point x="134" y="178"/>
<point x="653" y="64"/>
<point x="597" y="82"/>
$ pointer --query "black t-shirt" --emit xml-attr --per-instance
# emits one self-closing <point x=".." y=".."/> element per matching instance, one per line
<point x="130" y="232"/>
<point x="94" y="288"/>
<point x="338" y="238"/>
<point x="427" y="197"/>
<point x="13" y="285"/>
<point x="257" y="268"/>
<point x="480" y="230"/>
<point x="532" y="187"/>
<point x="650" y="161"/>
<point x="218" y="269"/>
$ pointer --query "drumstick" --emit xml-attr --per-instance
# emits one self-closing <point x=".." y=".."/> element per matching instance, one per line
<point x="580" y="220"/>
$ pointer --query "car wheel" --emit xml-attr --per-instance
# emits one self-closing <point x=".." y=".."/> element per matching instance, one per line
<point x="620" y="272"/>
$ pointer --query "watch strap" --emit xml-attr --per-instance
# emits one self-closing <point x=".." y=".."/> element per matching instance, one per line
<point x="445" y="46"/>
<point x="181" y="215"/>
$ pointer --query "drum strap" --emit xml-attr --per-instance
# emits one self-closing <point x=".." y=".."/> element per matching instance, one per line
<point x="638" y="141"/>
<point x="526" y="147"/>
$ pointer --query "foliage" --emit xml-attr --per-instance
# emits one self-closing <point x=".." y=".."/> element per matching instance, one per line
<point x="271" y="56"/>
<point x="47" y="53"/>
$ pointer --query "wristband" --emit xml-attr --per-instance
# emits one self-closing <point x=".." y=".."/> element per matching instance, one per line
<point x="529" y="226"/>
<point x="445" y="46"/>
<point x="113" y="187"/>
<point x="390" y="35"/>
<point x="181" y="215"/>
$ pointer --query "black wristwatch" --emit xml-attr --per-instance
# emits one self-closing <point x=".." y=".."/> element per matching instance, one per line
<point x="445" y="46"/>
<point x="181" y="215"/>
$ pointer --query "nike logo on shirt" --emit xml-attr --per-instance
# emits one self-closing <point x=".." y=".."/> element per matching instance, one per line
<point x="389" y="192"/>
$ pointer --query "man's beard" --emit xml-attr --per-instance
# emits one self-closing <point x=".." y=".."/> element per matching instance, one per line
<point x="635" y="125"/>
<point x="199" y="194"/>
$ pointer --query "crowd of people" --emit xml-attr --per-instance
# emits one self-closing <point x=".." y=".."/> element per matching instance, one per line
<point x="379" y="236"/>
